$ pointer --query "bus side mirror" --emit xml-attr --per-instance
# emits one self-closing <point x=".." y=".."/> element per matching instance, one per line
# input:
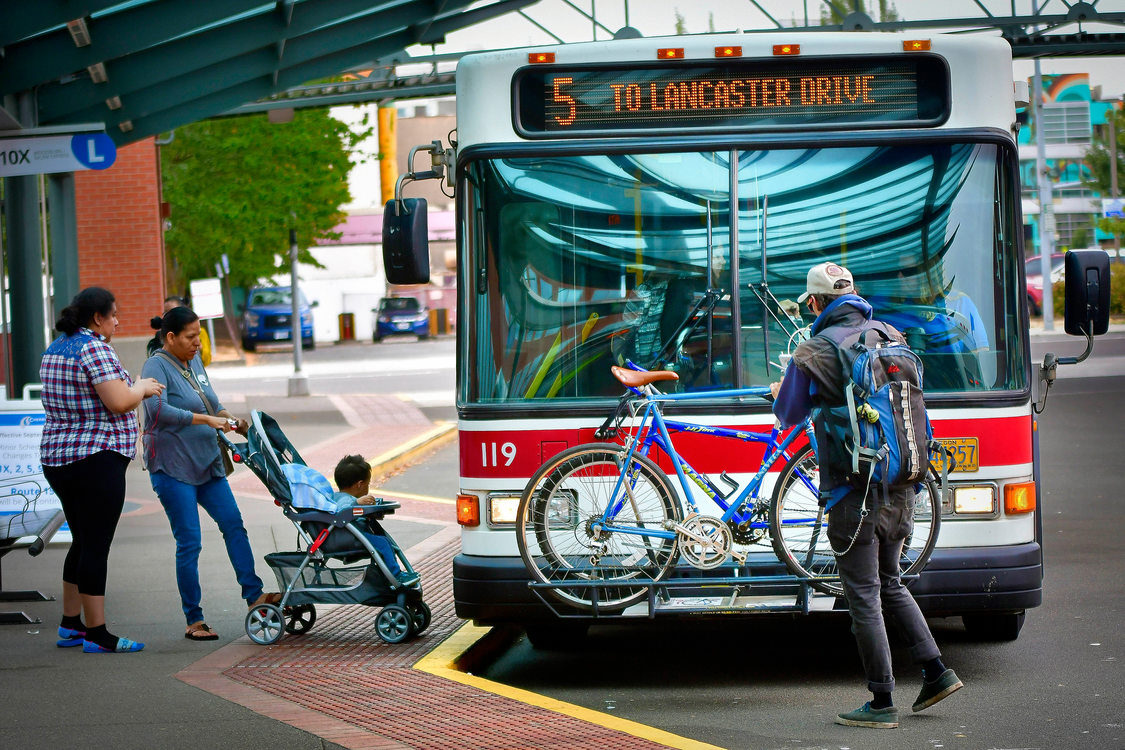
<point x="1087" y="292"/>
<point x="406" y="251"/>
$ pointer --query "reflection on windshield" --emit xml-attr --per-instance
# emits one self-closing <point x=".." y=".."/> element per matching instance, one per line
<point x="580" y="262"/>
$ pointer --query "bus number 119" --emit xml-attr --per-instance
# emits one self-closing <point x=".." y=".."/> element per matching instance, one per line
<point x="488" y="450"/>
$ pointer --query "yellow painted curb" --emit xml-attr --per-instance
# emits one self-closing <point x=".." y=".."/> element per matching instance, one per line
<point x="442" y="661"/>
<point x="439" y="434"/>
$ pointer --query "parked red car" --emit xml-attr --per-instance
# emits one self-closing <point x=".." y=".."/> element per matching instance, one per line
<point x="1033" y="270"/>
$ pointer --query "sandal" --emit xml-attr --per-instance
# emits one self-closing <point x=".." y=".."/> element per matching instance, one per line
<point x="272" y="598"/>
<point x="200" y="631"/>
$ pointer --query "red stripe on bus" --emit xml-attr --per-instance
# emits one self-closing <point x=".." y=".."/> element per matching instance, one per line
<point x="510" y="454"/>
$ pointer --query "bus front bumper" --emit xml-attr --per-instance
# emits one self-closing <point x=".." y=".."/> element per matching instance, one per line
<point x="494" y="590"/>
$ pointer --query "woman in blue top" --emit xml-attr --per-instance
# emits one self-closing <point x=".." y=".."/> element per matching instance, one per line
<point x="186" y="468"/>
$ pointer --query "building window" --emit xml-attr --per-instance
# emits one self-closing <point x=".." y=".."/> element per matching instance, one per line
<point x="1066" y="225"/>
<point x="1066" y="122"/>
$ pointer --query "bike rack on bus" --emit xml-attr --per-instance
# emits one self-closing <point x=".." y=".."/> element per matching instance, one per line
<point x="662" y="591"/>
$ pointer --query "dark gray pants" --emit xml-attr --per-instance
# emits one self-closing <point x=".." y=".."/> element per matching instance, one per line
<point x="871" y="577"/>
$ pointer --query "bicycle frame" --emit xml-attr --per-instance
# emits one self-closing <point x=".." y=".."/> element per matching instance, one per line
<point x="655" y="430"/>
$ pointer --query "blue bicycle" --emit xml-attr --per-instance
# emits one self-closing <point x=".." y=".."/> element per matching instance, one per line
<point x="605" y="512"/>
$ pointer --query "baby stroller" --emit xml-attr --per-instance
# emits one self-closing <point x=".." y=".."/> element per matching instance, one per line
<point x="337" y="565"/>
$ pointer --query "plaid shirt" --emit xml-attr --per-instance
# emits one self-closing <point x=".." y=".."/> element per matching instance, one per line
<point x="78" y="423"/>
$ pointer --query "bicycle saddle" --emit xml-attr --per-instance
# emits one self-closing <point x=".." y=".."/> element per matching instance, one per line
<point x="637" y="378"/>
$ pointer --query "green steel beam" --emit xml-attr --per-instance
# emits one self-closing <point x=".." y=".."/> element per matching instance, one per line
<point x="54" y="55"/>
<point x="443" y="85"/>
<point x="1067" y="45"/>
<point x="59" y="105"/>
<point x="42" y="15"/>
<point x="172" y="94"/>
<point x="248" y="91"/>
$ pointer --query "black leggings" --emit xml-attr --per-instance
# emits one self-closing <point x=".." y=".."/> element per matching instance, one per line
<point x="92" y="493"/>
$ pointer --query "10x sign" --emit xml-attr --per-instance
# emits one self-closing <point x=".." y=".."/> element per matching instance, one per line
<point x="56" y="153"/>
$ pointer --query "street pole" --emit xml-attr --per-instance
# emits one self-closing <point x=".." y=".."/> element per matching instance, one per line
<point x="1046" y="206"/>
<point x="299" y="382"/>
<point x="1111" y="117"/>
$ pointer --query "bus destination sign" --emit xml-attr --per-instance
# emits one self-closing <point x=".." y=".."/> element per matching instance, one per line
<point x="786" y="94"/>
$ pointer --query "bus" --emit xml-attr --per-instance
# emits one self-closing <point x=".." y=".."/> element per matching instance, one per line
<point x="660" y="201"/>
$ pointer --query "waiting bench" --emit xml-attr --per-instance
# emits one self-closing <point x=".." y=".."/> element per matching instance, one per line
<point x="30" y="530"/>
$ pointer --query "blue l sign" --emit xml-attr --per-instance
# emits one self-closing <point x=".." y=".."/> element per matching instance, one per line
<point x="93" y="150"/>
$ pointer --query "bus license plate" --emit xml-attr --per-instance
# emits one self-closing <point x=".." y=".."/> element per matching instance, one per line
<point x="965" y="451"/>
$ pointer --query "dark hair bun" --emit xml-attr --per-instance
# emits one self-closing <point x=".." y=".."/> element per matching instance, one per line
<point x="156" y="323"/>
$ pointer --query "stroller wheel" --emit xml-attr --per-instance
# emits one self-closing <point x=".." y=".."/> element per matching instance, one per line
<point x="265" y="624"/>
<point x="301" y="619"/>
<point x="394" y="624"/>
<point x="421" y="614"/>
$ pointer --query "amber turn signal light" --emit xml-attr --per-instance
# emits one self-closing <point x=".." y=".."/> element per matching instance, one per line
<point x="916" y="45"/>
<point x="468" y="510"/>
<point x="728" y="52"/>
<point x="1019" y="498"/>
<point x="787" y="49"/>
<point x="670" y="53"/>
<point x="540" y="57"/>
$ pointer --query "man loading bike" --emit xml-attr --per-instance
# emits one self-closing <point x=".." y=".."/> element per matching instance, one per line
<point x="870" y="522"/>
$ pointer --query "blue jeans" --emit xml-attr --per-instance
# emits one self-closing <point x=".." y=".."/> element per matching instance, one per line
<point x="181" y="503"/>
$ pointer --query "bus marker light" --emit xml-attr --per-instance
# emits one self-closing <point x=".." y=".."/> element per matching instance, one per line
<point x="670" y="53"/>
<point x="540" y="57"/>
<point x="468" y="510"/>
<point x="787" y="49"/>
<point x="974" y="500"/>
<point x="502" y="509"/>
<point x="916" y="45"/>
<point x="1019" y="498"/>
<point x="728" y="52"/>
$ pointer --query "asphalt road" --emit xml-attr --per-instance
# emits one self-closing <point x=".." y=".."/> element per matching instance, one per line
<point x="778" y="683"/>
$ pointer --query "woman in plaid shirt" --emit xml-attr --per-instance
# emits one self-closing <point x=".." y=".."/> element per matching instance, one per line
<point x="89" y="437"/>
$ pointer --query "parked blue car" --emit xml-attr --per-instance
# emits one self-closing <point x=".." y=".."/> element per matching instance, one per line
<point x="268" y="317"/>
<point x="397" y="316"/>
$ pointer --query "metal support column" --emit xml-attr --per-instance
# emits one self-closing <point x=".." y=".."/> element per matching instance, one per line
<point x="25" y="269"/>
<point x="63" y="227"/>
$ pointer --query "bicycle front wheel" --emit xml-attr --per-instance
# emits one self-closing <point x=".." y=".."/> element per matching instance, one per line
<point x="560" y="526"/>
<point x="799" y="526"/>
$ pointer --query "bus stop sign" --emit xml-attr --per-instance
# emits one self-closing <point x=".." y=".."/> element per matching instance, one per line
<point x="56" y="153"/>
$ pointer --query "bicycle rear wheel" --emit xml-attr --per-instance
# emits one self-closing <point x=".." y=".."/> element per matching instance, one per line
<point x="799" y="527"/>
<point x="563" y="504"/>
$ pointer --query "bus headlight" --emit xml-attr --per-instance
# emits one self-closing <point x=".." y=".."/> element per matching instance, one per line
<point x="502" y="509"/>
<point x="974" y="500"/>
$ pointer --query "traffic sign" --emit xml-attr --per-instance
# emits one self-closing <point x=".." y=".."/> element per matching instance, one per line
<point x="1113" y="208"/>
<point x="56" y="153"/>
<point x="207" y="298"/>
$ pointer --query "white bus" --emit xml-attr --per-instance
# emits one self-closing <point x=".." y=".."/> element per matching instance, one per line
<point x="605" y="189"/>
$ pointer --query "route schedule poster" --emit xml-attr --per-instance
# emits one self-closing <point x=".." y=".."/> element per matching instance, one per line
<point x="22" y="486"/>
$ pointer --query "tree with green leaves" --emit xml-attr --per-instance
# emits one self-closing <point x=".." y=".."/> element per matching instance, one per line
<point x="1098" y="158"/>
<point x="237" y="186"/>
<point x="886" y="12"/>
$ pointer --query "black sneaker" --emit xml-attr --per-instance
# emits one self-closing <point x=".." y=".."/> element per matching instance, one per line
<point x="866" y="716"/>
<point x="932" y="692"/>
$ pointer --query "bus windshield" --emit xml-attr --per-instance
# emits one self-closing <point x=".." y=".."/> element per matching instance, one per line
<point x="577" y="262"/>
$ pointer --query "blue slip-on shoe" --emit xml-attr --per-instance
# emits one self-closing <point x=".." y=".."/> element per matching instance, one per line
<point x="69" y="638"/>
<point x="124" y="646"/>
<point x="932" y="692"/>
<point x="866" y="716"/>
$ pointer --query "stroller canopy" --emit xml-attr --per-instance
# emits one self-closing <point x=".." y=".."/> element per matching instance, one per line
<point x="269" y="449"/>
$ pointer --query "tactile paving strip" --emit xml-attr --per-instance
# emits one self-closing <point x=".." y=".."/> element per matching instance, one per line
<point x="341" y="669"/>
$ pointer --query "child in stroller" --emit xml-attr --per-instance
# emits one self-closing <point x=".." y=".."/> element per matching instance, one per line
<point x="340" y="562"/>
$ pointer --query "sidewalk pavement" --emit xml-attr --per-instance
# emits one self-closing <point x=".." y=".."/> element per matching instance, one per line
<point x="336" y="686"/>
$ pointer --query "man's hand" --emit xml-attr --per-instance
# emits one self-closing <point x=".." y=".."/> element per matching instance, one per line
<point x="775" y="388"/>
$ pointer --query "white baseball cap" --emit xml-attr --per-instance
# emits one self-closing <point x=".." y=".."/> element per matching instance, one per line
<point x="827" y="278"/>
